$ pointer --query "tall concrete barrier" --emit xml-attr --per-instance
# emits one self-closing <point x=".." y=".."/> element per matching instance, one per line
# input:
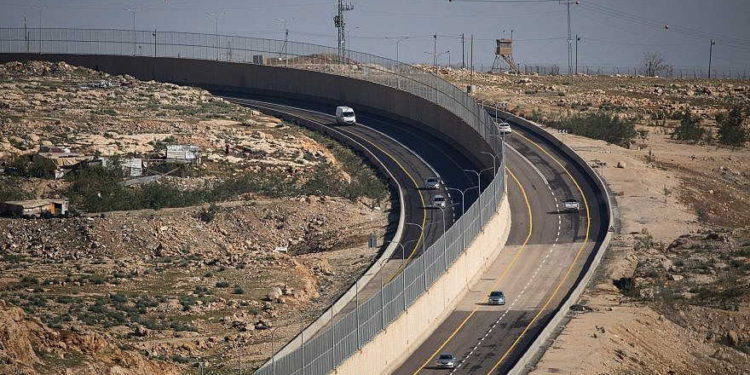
<point x="465" y="263"/>
<point x="290" y="83"/>
<point x="404" y="335"/>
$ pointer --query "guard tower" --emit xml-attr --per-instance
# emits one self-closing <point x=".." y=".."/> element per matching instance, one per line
<point x="504" y="52"/>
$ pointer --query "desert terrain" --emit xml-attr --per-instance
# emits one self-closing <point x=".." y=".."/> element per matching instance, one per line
<point x="672" y="295"/>
<point x="187" y="267"/>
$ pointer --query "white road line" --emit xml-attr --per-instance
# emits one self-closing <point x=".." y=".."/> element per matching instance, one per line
<point x="531" y="164"/>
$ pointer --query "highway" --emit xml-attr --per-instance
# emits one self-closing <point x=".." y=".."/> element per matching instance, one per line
<point x="545" y="254"/>
<point x="411" y="156"/>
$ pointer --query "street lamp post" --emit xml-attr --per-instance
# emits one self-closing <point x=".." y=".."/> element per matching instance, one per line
<point x="422" y="231"/>
<point x="479" y="192"/>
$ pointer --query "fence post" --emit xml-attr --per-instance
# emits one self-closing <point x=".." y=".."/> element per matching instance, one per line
<point x="356" y="309"/>
<point x="302" y="348"/>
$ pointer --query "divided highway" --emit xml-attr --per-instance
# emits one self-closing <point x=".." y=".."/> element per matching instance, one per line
<point x="411" y="156"/>
<point x="546" y="253"/>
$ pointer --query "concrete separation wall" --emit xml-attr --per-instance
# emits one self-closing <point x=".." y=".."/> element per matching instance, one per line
<point x="285" y="82"/>
<point x="404" y="335"/>
<point x="537" y="348"/>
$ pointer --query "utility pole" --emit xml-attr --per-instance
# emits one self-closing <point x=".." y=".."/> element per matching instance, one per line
<point x="710" y="56"/>
<point x="338" y="21"/>
<point x="434" y="52"/>
<point x="26" y="34"/>
<point x="577" y="39"/>
<point x="570" y="42"/>
<point x="471" y="60"/>
<point x="570" y="36"/>
<point x="463" y="51"/>
<point x="135" y="43"/>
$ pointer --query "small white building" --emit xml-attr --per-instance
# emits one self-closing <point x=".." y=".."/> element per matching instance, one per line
<point x="132" y="167"/>
<point x="183" y="154"/>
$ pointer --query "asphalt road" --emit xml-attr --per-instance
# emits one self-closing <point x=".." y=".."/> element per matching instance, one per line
<point x="411" y="156"/>
<point x="545" y="254"/>
<point x="546" y="251"/>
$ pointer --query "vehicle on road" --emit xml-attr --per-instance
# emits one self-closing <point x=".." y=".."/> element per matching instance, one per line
<point x="572" y="205"/>
<point x="345" y="115"/>
<point x="504" y="128"/>
<point x="446" y="361"/>
<point x="432" y="183"/>
<point x="496" y="298"/>
<point x="438" y="201"/>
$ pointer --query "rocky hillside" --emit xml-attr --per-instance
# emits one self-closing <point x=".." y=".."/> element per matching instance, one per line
<point x="27" y="346"/>
<point x="670" y="296"/>
<point x="209" y="263"/>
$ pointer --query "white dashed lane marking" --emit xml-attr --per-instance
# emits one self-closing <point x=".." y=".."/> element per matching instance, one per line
<point x="523" y="291"/>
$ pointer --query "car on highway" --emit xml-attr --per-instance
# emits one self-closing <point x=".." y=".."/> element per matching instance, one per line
<point x="504" y="128"/>
<point x="446" y="360"/>
<point x="345" y="115"/>
<point x="496" y="298"/>
<point x="438" y="201"/>
<point x="432" y="183"/>
<point x="572" y="205"/>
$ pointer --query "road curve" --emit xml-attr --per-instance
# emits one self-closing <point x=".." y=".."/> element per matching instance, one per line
<point x="546" y="252"/>
<point x="411" y="163"/>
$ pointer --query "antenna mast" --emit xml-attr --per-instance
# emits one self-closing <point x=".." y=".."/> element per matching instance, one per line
<point x="338" y="21"/>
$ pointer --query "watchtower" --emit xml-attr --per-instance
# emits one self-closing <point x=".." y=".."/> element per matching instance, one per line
<point x="504" y="52"/>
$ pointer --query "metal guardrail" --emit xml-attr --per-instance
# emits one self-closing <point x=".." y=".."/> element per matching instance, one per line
<point x="330" y="347"/>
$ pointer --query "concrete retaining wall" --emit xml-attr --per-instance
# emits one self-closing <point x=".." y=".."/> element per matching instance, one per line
<point x="289" y="83"/>
<point x="404" y="335"/>
<point x="542" y="341"/>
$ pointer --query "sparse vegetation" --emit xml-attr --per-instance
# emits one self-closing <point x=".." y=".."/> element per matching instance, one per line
<point x="600" y="125"/>
<point x="732" y="129"/>
<point x="690" y="129"/>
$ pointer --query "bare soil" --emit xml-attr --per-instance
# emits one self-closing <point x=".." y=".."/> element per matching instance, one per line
<point x="671" y="295"/>
<point x="158" y="291"/>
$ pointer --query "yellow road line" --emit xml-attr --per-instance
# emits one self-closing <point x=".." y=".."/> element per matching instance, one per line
<point x="413" y="180"/>
<point x="570" y="268"/>
<point x="421" y="199"/>
<point x="497" y="282"/>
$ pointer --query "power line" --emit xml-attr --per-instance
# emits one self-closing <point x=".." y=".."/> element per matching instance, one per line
<point x="643" y="21"/>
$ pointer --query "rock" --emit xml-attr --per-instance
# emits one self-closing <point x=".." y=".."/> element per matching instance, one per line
<point x="676" y="277"/>
<point x="275" y="294"/>
<point x="621" y="164"/>
<point x="732" y="338"/>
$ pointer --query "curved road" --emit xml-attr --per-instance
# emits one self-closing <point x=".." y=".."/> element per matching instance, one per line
<point x="411" y="157"/>
<point x="544" y="256"/>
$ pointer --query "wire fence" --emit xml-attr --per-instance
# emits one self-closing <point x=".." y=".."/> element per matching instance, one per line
<point x="633" y="71"/>
<point x="331" y="346"/>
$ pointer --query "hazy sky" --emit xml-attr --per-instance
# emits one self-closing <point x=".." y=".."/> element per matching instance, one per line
<point x="613" y="32"/>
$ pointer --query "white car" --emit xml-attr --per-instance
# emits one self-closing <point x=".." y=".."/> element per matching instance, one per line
<point x="345" y="115"/>
<point x="432" y="183"/>
<point x="504" y="128"/>
<point x="446" y="361"/>
<point x="572" y="205"/>
<point x="438" y="201"/>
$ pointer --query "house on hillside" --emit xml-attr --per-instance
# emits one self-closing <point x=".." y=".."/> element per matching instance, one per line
<point x="183" y="154"/>
<point x="34" y="208"/>
<point x="61" y="157"/>
<point x="131" y="167"/>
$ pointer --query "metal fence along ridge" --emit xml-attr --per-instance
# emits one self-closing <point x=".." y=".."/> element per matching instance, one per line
<point x="331" y="346"/>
